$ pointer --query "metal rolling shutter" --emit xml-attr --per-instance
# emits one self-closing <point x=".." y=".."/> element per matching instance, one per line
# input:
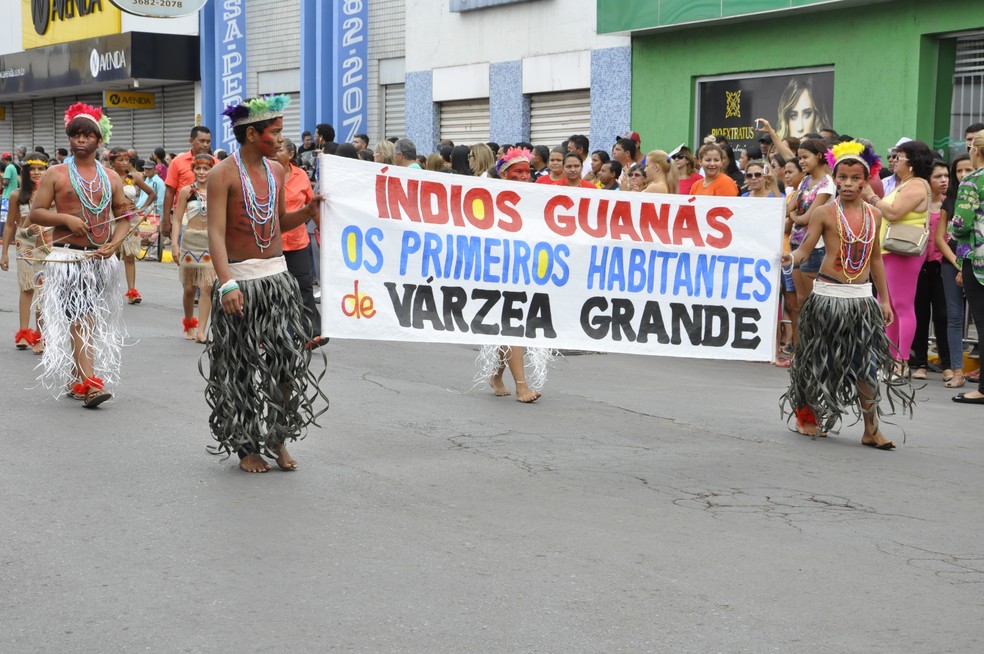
<point x="968" y="88"/>
<point x="148" y="126"/>
<point x="23" y="125"/>
<point x="179" y="116"/>
<point x="122" y="127"/>
<point x="394" y="111"/>
<point x="7" y="129"/>
<point x="43" y="126"/>
<point x="58" y="116"/>
<point x="292" y="120"/>
<point x="555" y="116"/>
<point x="465" y="122"/>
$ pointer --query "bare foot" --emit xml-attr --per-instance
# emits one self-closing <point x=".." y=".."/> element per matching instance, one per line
<point x="525" y="394"/>
<point x="254" y="463"/>
<point x="877" y="440"/>
<point x="284" y="459"/>
<point x="189" y="336"/>
<point x="496" y="383"/>
<point x="808" y="429"/>
<point x="201" y="337"/>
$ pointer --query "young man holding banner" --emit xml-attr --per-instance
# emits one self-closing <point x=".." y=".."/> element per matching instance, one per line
<point x="842" y="340"/>
<point x="260" y="388"/>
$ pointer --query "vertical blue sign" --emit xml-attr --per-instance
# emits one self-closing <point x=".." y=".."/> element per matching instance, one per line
<point x="349" y="74"/>
<point x="230" y="67"/>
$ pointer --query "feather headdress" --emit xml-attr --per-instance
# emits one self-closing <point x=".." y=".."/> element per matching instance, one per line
<point x="257" y="109"/>
<point x="512" y="156"/>
<point x="95" y="114"/>
<point x="855" y="151"/>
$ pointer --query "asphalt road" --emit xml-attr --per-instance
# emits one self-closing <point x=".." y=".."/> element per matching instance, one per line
<point x="642" y="505"/>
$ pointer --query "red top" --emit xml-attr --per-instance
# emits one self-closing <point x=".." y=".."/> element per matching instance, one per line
<point x="545" y="179"/>
<point x="687" y="183"/>
<point x="298" y="193"/>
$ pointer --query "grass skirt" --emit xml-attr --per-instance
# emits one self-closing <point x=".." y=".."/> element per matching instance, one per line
<point x="84" y="292"/>
<point x="196" y="262"/>
<point x="30" y="247"/>
<point x="131" y="246"/>
<point x="536" y="361"/>
<point x="842" y="341"/>
<point x="260" y="387"/>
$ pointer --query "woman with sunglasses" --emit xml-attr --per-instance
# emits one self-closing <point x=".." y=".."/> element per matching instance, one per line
<point x="686" y="169"/>
<point x="637" y="178"/>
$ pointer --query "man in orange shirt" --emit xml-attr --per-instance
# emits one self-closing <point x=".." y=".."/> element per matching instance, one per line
<point x="298" y="192"/>
<point x="179" y="173"/>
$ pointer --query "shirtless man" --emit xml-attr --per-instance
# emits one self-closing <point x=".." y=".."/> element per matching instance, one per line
<point x="830" y="375"/>
<point x="259" y="335"/>
<point x="80" y="301"/>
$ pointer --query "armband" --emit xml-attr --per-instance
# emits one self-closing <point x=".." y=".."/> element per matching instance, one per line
<point x="229" y="286"/>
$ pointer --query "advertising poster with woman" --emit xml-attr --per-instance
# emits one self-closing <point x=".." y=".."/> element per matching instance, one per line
<point x="796" y="102"/>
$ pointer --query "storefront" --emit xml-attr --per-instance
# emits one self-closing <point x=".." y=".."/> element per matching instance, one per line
<point x="873" y="69"/>
<point x="154" y="94"/>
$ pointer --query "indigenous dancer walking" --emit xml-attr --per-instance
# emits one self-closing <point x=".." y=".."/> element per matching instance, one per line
<point x="492" y="360"/>
<point x="133" y="183"/>
<point x="189" y="249"/>
<point x="33" y="245"/>
<point x="80" y="301"/>
<point x="842" y="340"/>
<point x="260" y="388"/>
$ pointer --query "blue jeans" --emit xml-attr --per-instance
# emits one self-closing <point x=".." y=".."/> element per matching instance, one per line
<point x="954" y="314"/>
<point x="975" y="300"/>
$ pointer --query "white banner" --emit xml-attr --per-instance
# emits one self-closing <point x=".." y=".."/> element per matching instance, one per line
<point x="409" y="255"/>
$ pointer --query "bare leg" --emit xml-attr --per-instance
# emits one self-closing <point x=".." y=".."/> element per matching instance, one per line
<point x="793" y="311"/>
<point x="514" y="356"/>
<point x="204" y="310"/>
<point x="872" y="434"/>
<point x="188" y="304"/>
<point x="82" y="352"/>
<point x="130" y="268"/>
<point x="24" y="306"/>
<point x="496" y="381"/>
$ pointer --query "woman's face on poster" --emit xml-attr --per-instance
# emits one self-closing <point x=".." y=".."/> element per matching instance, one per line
<point x="801" y="116"/>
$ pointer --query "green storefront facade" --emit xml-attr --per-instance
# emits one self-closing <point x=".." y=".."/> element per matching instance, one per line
<point x="893" y="63"/>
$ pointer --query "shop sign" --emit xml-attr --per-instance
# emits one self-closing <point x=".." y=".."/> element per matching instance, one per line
<point x="350" y="73"/>
<point x="796" y="102"/>
<point x="129" y="99"/>
<point x="46" y="22"/>
<point x="160" y="8"/>
<point x="230" y="65"/>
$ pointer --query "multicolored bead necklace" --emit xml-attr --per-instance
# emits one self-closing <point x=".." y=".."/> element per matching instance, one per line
<point x="202" y="202"/>
<point x="855" y="248"/>
<point x="260" y="209"/>
<point x="98" y="232"/>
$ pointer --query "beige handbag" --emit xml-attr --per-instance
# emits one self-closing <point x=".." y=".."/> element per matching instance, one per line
<point x="910" y="240"/>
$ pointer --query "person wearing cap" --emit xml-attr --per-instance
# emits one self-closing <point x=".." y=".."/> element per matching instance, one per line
<point x="260" y="387"/>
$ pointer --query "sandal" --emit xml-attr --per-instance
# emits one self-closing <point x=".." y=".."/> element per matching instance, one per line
<point x="974" y="377"/>
<point x="133" y="296"/>
<point x="919" y="373"/>
<point x="956" y="381"/>
<point x="23" y="339"/>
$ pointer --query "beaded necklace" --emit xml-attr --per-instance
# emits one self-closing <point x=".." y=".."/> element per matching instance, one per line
<point x="202" y="202"/>
<point x="855" y="248"/>
<point x="260" y="209"/>
<point x="98" y="232"/>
